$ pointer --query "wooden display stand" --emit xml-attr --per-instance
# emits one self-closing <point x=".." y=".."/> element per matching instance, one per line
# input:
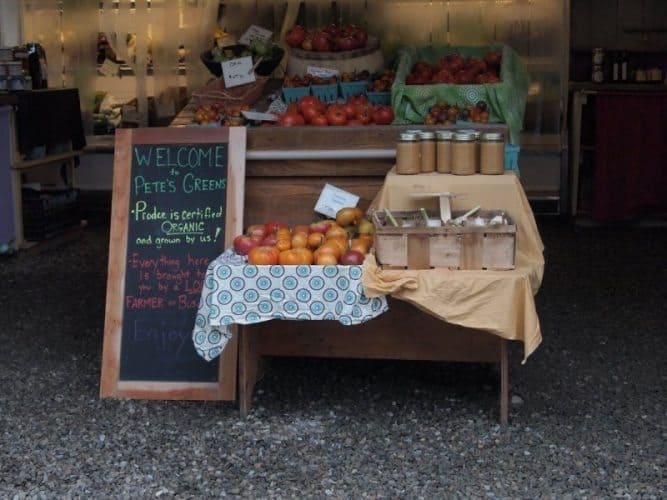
<point x="296" y="184"/>
<point x="391" y="336"/>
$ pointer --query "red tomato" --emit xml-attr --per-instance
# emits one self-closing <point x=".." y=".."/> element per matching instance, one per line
<point x="295" y="36"/>
<point x="309" y="101"/>
<point x="292" y="120"/>
<point x="263" y="256"/>
<point x="358" y="99"/>
<point x="336" y="115"/>
<point x="364" y="113"/>
<point x="310" y="112"/>
<point x="272" y="226"/>
<point x="350" y="109"/>
<point x="319" y="121"/>
<point x="383" y="115"/>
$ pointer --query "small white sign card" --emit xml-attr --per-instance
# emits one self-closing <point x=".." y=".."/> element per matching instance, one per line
<point x="332" y="199"/>
<point x="238" y="72"/>
<point x="260" y="117"/>
<point x="253" y="33"/>
<point x="108" y="68"/>
<point x="321" y="72"/>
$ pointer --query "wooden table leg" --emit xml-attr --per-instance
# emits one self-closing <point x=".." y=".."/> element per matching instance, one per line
<point x="248" y="364"/>
<point x="504" y="382"/>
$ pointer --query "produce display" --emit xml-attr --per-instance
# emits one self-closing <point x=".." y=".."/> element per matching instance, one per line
<point x="265" y="49"/>
<point x="307" y="80"/>
<point x="454" y="68"/>
<point x="329" y="38"/>
<point x="343" y="241"/>
<point x="356" y="110"/>
<point x="382" y="82"/>
<point x="443" y="113"/>
<point x="216" y="113"/>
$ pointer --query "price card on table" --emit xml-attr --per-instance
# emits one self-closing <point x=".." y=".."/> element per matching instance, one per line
<point x="255" y="33"/>
<point x="321" y="72"/>
<point x="238" y="72"/>
<point x="332" y="199"/>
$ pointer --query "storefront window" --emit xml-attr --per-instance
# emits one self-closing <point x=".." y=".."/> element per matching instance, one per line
<point x="155" y="45"/>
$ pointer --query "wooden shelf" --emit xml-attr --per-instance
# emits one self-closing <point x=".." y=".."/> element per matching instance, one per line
<point x="28" y="164"/>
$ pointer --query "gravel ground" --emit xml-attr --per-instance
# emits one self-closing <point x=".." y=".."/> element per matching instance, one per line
<point x="587" y="416"/>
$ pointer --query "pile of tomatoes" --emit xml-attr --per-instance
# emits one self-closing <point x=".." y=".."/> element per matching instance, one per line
<point x="325" y="242"/>
<point x="442" y="113"/>
<point x="456" y="69"/>
<point x="309" y="110"/>
<point x="329" y="38"/>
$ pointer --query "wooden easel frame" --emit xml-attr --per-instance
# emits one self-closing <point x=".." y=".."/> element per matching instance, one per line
<point x="110" y="385"/>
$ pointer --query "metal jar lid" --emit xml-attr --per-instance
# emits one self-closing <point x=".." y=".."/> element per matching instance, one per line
<point x="493" y="136"/>
<point x="464" y="136"/>
<point x="474" y="132"/>
<point x="444" y="135"/>
<point x="408" y="137"/>
<point x="427" y="136"/>
<point x="413" y="131"/>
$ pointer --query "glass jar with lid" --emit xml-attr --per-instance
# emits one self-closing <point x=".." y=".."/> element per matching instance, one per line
<point x="408" y="154"/>
<point x="464" y="153"/>
<point x="443" y="141"/>
<point x="427" y="152"/>
<point x="492" y="153"/>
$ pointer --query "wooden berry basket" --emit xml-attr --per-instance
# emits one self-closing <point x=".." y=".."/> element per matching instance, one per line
<point x="417" y="246"/>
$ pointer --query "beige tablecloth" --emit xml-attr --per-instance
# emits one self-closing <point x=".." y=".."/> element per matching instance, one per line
<point x="500" y="302"/>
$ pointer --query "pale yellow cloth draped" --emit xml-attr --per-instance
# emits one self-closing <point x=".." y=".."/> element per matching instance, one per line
<point x="499" y="302"/>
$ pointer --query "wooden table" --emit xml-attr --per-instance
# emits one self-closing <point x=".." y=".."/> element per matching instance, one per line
<point x="391" y="336"/>
<point x="286" y="169"/>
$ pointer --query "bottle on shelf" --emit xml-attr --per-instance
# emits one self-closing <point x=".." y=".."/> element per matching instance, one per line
<point x="625" y="73"/>
<point x="615" y="66"/>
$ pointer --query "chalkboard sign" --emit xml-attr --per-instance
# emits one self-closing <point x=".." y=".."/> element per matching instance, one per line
<point x="177" y="203"/>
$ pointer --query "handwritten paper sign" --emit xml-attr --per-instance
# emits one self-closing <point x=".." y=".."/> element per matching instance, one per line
<point x="255" y="33"/>
<point x="332" y="199"/>
<point x="108" y="68"/>
<point x="321" y="72"/>
<point x="174" y="196"/>
<point x="238" y="72"/>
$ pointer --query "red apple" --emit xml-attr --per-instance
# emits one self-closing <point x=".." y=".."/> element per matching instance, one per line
<point x="243" y="244"/>
<point x="352" y="258"/>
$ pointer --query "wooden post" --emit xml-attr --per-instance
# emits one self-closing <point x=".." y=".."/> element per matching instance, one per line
<point x="504" y="383"/>
<point x="248" y="364"/>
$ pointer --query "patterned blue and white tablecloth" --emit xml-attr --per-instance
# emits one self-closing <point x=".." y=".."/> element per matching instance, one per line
<point x="236" y="292"/>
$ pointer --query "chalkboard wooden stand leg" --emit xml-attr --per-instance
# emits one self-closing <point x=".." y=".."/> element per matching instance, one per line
<point x="504" y="382"/>
<point x="248" y="367"/>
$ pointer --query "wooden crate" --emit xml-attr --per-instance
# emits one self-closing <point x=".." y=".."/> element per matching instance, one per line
<point x="413" y="245"/>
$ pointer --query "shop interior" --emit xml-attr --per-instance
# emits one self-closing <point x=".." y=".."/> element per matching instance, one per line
<point x="137" y="64"/>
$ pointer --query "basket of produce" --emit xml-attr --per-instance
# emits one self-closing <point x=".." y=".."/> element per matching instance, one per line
<point x="345" y="48"/>
<point x="269" y="53"/>
<point x="326" y="92"/>
<point x="349" y="89"/>
<point x="215" y="92"/>
<point x="295" y="87"/>
<point x="461" y="76"/>
<point x="419" y="239"/>
<point x="379" y="88"/>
